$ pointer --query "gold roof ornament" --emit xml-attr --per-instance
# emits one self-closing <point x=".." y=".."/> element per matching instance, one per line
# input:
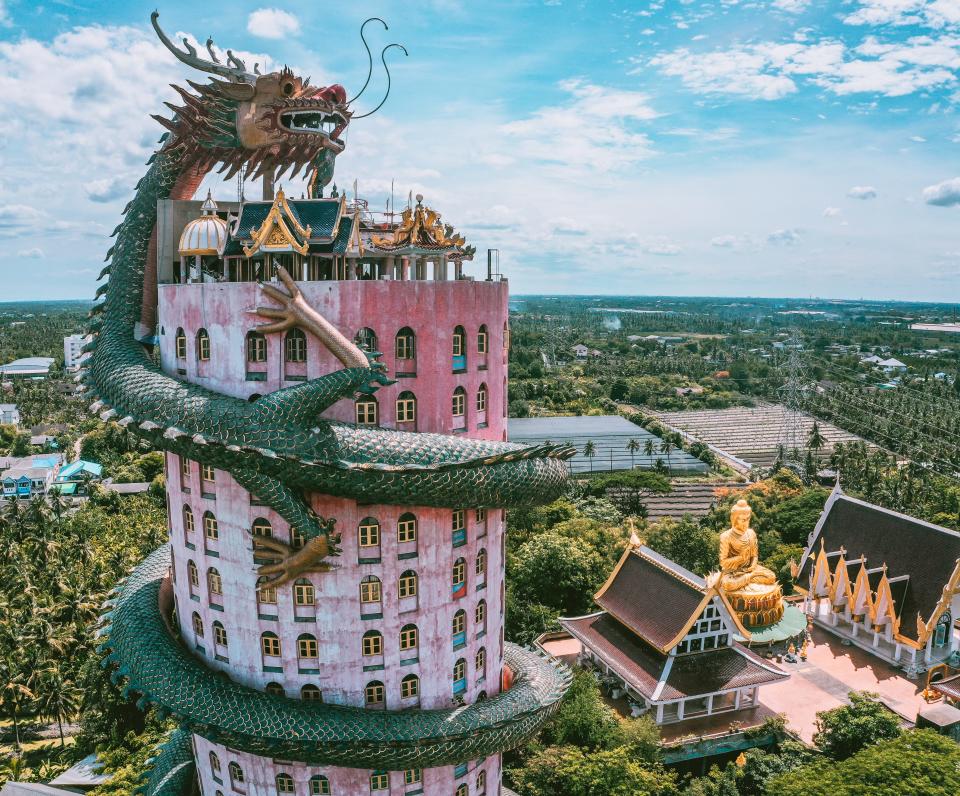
<point x="420" y="227"/>
<point x="280" y="231"/>
<point x="206" y="235"/>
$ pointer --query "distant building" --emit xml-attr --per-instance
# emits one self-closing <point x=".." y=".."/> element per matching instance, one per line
<point x="75" y="475"/>
<point x="882" y="580"/>
<point x="9" y="415"/>
<point x="27" y="368"/>
<point x="892" y="365"/>
<point x="29" y="476"/>
<point x="580" y="351"/>
<point x="666" y="639"/>
<point x="72" y="350"/>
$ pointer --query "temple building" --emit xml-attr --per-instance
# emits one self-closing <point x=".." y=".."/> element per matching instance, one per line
<point x="667" y="638"/>
<point x="884" y="581"/>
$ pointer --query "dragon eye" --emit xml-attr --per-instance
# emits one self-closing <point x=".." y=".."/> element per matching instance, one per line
<point x="287" y="89"/>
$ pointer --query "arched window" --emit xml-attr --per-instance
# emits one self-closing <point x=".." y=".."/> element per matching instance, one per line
<point x="188" y="524"/>
<point x="407" y="585"/>
<point x="180" y="344"/>
<point x="380" y="780"/>
<point x="370" y="590"/>
<point x="311" y="693"/>
<point x="295" y="346"/>
<point x="303" y="592"/>
<point x="275" y="689"/>
<point x="482" y="398"/>
<point x="236" y="773"/>
<point x="410" y="687"/>
<point x="319" y="785"/>
<point x="480" y="662"/>
<point x="461" y="789"/>
<point x="261" y="527"/>
<point x="409" y="638"/>
<point x="296" y="538"/>
<point x="219" y="635"/>
<point x="458" y="527"/>
<point x="210" y="528"/>
<point x="270" y="644"/>
<point x="459" y="403"/>
<point x="480" y="616"/>
<point x="368" y="532"/>
<point x="483" y="339"/>
<point x="373" y="693"/>
<point x="406" y="344"/>
<point x="406" y="407"/>
<point x="373" y="643"/>
<point x="214" y="585"/>
<point x="460" y="676"/>
<point x="459" y="577"/>
<point x="203" y="345"/>
<point x="481" y="567"/>
<point x="481" y="782"/>
<point x="214" y="764"/>
<point x="193" y="578"/>
<point x="256" y="347"/>
<point x="266" y="593"/>
<point x="285" y="784"/>
<point x="367" y="411"/>
<point x="459" y="628"/>
<point x="366" y="339"/>
<point x="459" y="342"/>
<point x="197" y="625"/>
<point x="307" y="646"/>
<point x="406" y="528"/>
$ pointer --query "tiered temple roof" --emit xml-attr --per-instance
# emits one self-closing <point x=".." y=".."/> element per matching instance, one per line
<point x="883" y="564"/>
<point x="651" y="605"/>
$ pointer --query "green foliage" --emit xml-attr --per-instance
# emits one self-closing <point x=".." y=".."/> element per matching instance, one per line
<point x="917" y="762"/>
<point x="687" y="542"/>
<point x="846" y="730"/>
<point x="628" y="489"/>
<point x="583" y="718"/>
<point x="571" y="771"/>
<point x="128" y="762"/>
<point x="557" y="571"/>
<point x="761" y="766"/>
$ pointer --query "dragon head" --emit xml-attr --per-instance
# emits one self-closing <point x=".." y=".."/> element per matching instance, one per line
<point x="263" y="122"/>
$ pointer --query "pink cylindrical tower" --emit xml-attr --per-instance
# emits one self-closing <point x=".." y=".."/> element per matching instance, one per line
<point x="411" y="616"/>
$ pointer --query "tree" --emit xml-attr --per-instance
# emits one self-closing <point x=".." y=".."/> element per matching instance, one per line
<point x="915" y="762"/>
<point x="590" y="450"/>
<point x="648" y="447"/>
<point x="558" y="572"/>
<point x="629" y="489"/>
<point x="632" y="447"/>
<point x="583" y="718"/>
<point x="665" y="447"/>
<point x="816" y="440"/>
<point x="687" y="542"/>
<point x="846" y="730"/>
<point x="570" y="771"/>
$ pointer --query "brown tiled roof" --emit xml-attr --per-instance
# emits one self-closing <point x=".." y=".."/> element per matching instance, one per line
<point x="641" y="666"/>
<point x="637" y="663"/>
<point x="653" y="596"/>
<point x="927" y="553"/>
<point x="718" y="670"/>
<point x="949" y="687"/>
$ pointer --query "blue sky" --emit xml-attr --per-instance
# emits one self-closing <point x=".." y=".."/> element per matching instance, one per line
<point x="729" y="147"/>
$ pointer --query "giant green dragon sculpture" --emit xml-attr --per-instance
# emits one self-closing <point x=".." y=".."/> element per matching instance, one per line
<point x="279" y="446"/>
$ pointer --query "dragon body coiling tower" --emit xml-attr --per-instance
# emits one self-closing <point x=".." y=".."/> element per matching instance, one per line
<point x="328" y="617"/>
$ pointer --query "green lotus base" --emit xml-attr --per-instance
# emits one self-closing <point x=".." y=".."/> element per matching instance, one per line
<point x="791" y="627"/>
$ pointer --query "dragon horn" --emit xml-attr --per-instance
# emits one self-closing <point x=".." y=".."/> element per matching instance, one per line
<point x="236" y="73"/>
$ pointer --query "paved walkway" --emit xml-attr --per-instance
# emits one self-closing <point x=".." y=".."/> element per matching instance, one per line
<point x="830" y="672"/>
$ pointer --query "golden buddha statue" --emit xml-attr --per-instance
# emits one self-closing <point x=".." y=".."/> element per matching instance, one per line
<point x="753" y="589"/>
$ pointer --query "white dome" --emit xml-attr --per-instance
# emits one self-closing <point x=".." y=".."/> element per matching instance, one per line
<point x="204" y="235"/>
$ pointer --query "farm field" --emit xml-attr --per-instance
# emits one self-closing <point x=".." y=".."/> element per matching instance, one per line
<point x="687" y="497"/>
<point x="750" y="433"/>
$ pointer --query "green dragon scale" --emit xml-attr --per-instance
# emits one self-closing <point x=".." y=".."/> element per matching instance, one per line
<point x="279" y="447"/>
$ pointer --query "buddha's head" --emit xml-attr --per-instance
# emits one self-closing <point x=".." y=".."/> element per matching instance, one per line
<point x="740" y="515"/>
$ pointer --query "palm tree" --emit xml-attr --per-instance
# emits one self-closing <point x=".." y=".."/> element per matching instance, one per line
<point x="590" y="450"/>
<point x="648" y="447"/>
<point x="816" y="440"/>
<point x="632" y="447"/>
<point x="60" y="698"/>
<point x="665" y="447"/>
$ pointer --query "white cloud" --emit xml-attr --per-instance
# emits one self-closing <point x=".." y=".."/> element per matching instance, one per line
<point x="725" y="241"/>
<point x="862" y="192"/>
<point x="662" y="248"/>
<point x="791" y="6"/>
<point x="784" y="237"/>
<point x="567" y="226"/>
<point x="929" y="13"/>
<point x="34" y="253"/>
<point x="107" y="189"/>
<point x="14" y="219"/>
<point x="272" y="23"/>
<point x="595" y="130"/>
<point x="831" y="212"/>
<point x="773" y="70"/>
<point x="943" y="194"/>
